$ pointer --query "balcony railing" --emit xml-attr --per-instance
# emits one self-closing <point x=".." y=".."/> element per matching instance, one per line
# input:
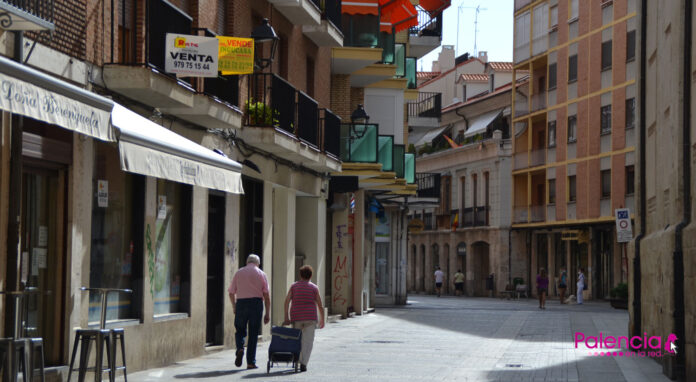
<point x="411" y="70"/>
<point x="331" y="131"/>
<point x="427" y="25"/>
<point x="400" y="60"/>
<point x="332" y="12"/>
<point x="538" y="213"/>
<point x="162" y="18"/>
<point x="400" y="161"/>
<point x="359" y="143"/>
<point x="275" y="103"/>
<point x="429" y="221"/>
<point x="521" y="160"/>
<point x="428" y="105"/>
<point x="520" y="214"/>
<point x="410" y="168"/>
<point x="474" y="217"/>
<point x="223" y="88"/>
<point x="538" y="101"/>
<point x="360" y="30"/>
<point x="39" y="11"/>
<point x="538" y="157"/>
<point x="386" y="152"/>
<point x="428" y="185"/>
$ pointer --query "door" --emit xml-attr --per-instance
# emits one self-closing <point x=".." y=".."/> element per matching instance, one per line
<point x="214" y="332"/>
<point x="43" y="258"/>
<point x="382" y="271"/>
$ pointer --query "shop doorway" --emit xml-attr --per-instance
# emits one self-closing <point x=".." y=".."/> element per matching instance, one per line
<point x="214" y="331"/>
<point x="481" y="267"/>
<point x="43" y="258"/>
<point x="382" y="264"/>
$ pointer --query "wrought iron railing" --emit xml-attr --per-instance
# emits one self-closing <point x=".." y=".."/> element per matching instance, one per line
<point x="162" y="18"/>
<point x="428" y="185"/>
<point x="427" y="24"/>
<point x="474" y="217"/>
<point x="429" y="221"/>
<point x="332" y="12"/>
<point x="307" y="119"/>
<point x="223" y="88"/>
<point x="41" y="9"/>
<point x="428" y="105"/>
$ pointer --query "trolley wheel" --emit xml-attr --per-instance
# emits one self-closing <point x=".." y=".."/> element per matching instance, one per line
<point x="268" y="367"/>
<point x="297" y="366"/>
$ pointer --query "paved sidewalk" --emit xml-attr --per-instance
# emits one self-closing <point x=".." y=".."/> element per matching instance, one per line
<point x="446" y="339"/>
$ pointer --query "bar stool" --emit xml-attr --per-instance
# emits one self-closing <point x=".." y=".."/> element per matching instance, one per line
<point x="84" y="339"/>
<point x="12" y="351"/>
<point x="21" y="347"/>
<point x="36" y="346"/>
<point x="117" y="336"/>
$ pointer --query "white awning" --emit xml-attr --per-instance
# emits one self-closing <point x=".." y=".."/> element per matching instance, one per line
<point x="39" y="96"/>
<point x="149" y="149"/>
<point x="480" y="123"/>
<point x="430" y="135"/>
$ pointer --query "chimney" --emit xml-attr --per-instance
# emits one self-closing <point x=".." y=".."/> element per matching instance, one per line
<point x="436" y="66"/>
<point x="483" y="56"/>
<point x="446" y="58"/>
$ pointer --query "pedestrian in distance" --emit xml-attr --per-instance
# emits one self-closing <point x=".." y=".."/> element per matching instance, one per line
<point x="302" y="303"/>
<point x="580" y="284"/>
<point x="439" y="278"/>
<point x="459" y="283"/>
<point x="562" y="285"/>
<point x="248" y="294"/>
<point x="542" y="287"/>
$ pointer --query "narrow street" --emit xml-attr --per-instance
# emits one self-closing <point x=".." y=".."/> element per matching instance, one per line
<point x="446" y="339"/>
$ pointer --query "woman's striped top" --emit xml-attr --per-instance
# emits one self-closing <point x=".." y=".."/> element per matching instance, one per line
<point x="303" y="304"/>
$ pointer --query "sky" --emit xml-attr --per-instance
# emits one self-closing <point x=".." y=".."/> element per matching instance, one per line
<point x="495" y="26"/>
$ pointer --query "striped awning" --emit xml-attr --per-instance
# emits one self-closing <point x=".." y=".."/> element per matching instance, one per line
<point x="397" y="14"/>
<point x="435" y="6"/>
<point x="360" y="7"/>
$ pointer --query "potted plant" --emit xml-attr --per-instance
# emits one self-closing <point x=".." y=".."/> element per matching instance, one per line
<point x="261" y="114"/>
<point x="619" y="296"/>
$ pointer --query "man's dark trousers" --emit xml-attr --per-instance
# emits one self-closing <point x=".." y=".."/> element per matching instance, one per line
<point x="249" y="312"/>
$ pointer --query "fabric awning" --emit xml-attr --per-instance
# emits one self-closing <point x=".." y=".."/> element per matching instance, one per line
<point x="435" y="6"/>
<point x="480" y="123"/>
<point x="150" y="149"/>
<point x="430" y="135"/>
<point x="360" y="7"/>
<point x="36" y="95"/>
<point x="397" y="14"/>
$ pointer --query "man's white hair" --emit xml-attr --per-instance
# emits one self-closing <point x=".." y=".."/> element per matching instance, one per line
<point x="253" y="259"/>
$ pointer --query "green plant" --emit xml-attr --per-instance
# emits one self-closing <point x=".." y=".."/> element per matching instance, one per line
<point x="261" y="114"/>
<point x="478" y="137"/>
<point x="620" y="291"/>
<point x="411" y="148"/>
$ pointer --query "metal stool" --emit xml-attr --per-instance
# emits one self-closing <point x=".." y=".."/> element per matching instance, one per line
<point x="36" y="346"/>
<point x="117" y="335"/>
<point x="84" y="338"/>
<point x="12" y="350"/>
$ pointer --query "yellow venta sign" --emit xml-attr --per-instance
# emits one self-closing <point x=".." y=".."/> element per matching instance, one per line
<point x="235" y="55"/>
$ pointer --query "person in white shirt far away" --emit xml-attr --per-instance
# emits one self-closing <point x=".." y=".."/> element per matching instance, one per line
<point x="439" y="278"/>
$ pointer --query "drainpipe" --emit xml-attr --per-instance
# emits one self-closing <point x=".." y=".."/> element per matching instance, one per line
<point x="637" y="319"/>
<point x="678" y="260"/>
<point x="456" y="111"/>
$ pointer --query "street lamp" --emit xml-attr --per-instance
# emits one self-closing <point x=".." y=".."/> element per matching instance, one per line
<point x="263" y="34"/>
<point x="359" y="118"/>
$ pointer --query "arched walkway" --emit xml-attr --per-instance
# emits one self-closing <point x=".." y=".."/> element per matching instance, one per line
<point x="480" y="258"/>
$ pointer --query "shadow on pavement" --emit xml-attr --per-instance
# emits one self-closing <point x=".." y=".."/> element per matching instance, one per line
<point x="279" y="373"/>
<point x="208" y="374"/>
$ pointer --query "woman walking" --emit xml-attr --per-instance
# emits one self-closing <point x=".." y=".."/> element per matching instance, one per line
<point x="303" y="300"/>
<point x="580" y="284"/>
<point x="542" y="287"/>
<point x="562" y="285"/>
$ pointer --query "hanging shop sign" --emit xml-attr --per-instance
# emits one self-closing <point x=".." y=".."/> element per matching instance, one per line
<point x="624" y="231"/>
<point x="416" y="225"/>
<point x="235" y="55"/>
<point x="191" y="56"/>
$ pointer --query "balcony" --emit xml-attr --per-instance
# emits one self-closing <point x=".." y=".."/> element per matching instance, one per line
<point x="425" y="37"/>
<point x="27" y="15"/>
<point x="328" y="32"/>
<point x="521" y="160"/>
<point x="538" y="101"/>
<point x="359" y="143"/>
<point x="520" y="214"/>
<point x="474" y="217"/>
<point x="538" y="213"/>
<point x="209" y="102"/>
<point x="385" y="152"/>
<point x="285" y="121"/>
<point x="299" y="12"/>
<point x="428" y="185"/>
<point x="537" y="157"/>
<point x="429" y="222"/>
<point x="426" y="112"/>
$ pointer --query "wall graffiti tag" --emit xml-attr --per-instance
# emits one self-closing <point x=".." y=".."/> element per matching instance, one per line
<point x="339" y="235"/>
<point x="340" y="280"/>
<point x="150" y="259"/>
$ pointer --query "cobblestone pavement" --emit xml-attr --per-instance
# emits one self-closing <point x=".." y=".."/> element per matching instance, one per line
<point x="446" y="339"/>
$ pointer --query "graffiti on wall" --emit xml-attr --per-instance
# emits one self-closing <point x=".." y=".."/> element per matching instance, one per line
<point x="340" y="280"/>
<point x="150" y="259"/>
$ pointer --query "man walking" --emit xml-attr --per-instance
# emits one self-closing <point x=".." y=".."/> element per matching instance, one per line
<point x="248" y="294"/>
<point x="439" y="278"/>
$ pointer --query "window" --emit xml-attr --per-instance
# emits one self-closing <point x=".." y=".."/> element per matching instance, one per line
<point x="605" y="119"/>
<point x="630" y="180"/>
<point x="552" y="191"/>
<point x="631" y="45"/>
<point x="573" y="68"/>
<point x="446" y="202"/>
<point x="606" y="183"/>
<point x="573" y="10"/>
<point x="462" y="181"/>
<point x="492" y="82"/>
<point x="552" y="76"/>
<point x="116" y="258"/>
<point x="572" y="127"/>
<point x="630" y="113"/>
<point x="572" y="196"/>
<point x="310" y="76"/>
<point x="552" y="133"/>
<point x="172" y="248"/>
<point x="606" y="55"/>
<point x="553" y="21"/>
<point x="475" y="188"/>
<point x="522" y="26"/>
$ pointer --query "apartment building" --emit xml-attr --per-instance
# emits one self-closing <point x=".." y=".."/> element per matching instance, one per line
<point x="574" y="137"/>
